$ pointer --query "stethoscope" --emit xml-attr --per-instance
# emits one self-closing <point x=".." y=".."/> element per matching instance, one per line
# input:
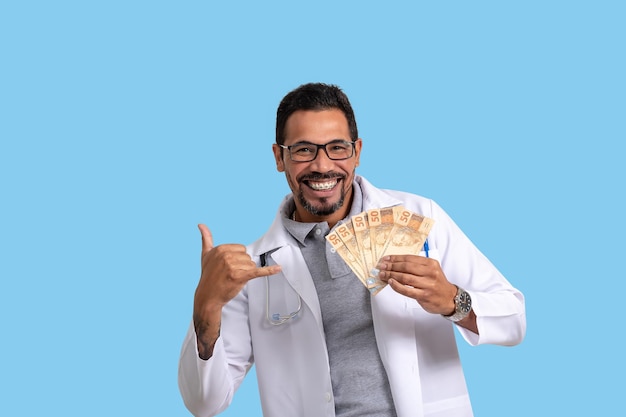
<point x="276" y="319"/>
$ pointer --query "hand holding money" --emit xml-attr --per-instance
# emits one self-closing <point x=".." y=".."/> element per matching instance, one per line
<point x="370" y="236"/>
<point x="420" y="278"/>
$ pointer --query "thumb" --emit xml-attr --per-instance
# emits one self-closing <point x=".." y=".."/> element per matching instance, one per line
<point x="207" y="238"/>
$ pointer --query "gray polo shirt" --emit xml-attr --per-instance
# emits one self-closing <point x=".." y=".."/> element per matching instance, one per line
<point x="360" y="384"/>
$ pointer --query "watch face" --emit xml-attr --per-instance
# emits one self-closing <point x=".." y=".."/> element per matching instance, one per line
<point x="465" y="302"/>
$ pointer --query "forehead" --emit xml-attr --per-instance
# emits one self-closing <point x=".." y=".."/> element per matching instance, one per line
<point x="316" y="126"/>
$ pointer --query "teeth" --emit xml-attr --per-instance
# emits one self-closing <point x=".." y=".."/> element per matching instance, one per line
<point x="321" y="186"/>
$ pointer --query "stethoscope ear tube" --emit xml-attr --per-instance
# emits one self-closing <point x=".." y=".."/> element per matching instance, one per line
<point x="276" y="319"/>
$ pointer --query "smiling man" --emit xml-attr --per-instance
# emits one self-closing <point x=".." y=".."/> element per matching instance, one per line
<point x="323" y="344"/>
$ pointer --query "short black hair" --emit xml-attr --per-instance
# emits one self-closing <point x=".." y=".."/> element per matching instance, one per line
<point x="314" y="96"/>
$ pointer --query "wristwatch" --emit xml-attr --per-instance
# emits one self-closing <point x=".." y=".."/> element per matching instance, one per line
<point x="462" y="305"/>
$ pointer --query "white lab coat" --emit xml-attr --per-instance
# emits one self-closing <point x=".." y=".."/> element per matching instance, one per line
<point x="418" y="349"/>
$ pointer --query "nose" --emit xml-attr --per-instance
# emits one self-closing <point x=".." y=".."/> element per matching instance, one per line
<point x="322" y="163"/>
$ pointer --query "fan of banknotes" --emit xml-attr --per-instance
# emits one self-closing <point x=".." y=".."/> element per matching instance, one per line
<point x="373" y="234"/>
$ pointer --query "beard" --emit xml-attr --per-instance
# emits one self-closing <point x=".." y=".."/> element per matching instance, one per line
<point x="323" y="208"/>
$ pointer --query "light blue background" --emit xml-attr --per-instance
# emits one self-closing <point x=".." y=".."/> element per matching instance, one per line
<point x="124" y="124"/>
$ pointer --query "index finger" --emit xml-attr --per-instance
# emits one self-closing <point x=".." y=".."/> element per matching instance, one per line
<point x="412" y="264"/>
<point x="404" y="258"/>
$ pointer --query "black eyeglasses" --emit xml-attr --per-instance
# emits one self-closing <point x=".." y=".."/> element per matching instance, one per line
<point x="306" y="152"/>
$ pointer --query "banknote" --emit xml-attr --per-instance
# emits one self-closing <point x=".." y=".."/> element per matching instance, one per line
<point x="346" y="234"/>
<point x="382" y="231"/>
<point x="340" y="247"/>
<point x="364" y="242"/>
<point x="373" y="221"/>
<point x="408" y="234"/>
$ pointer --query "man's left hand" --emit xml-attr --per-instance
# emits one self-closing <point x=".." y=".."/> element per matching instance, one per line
<point x="420" y="278"/>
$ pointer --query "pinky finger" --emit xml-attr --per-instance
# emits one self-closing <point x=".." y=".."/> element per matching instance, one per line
<point x="266" y="271"/>
<point x="401" y="288"/>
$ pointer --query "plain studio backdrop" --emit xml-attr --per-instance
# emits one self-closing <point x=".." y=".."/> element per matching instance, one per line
<point x="125" y="124"/>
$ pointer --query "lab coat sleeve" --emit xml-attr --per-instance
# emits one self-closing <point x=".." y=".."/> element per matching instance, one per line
<point x="207" y="387"/>
<point x="499" y="307"/>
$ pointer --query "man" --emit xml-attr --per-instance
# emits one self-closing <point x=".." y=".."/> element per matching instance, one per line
<point x="322" y="343"/>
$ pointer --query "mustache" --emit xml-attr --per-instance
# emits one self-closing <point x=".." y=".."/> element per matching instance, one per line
<point x="318" y="176"/>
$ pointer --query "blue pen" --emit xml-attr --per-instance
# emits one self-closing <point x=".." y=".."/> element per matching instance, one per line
<point x="426" y="247"/>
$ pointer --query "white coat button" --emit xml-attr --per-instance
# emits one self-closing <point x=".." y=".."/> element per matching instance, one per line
<point x="328" y="397"/>
<point x="333" y="250"/>
<point x="318" y="232"/>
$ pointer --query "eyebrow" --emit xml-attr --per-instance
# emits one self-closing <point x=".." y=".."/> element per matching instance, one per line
<point x="306" y="142"/>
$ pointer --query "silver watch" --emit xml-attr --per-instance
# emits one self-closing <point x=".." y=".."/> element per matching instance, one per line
<point x="462" y="305"/>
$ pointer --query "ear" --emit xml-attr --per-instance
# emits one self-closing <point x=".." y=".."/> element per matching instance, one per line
<point x="278" y="156"/>
<point x="357" y="150"/>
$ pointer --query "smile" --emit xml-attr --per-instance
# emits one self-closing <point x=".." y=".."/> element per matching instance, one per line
<point x="322" y="186"/>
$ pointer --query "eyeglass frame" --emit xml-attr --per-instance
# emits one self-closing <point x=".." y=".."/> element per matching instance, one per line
<point x="318" y="147"/>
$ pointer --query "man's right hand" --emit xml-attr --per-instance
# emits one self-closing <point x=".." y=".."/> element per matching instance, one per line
<point x="225" y="270"/>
